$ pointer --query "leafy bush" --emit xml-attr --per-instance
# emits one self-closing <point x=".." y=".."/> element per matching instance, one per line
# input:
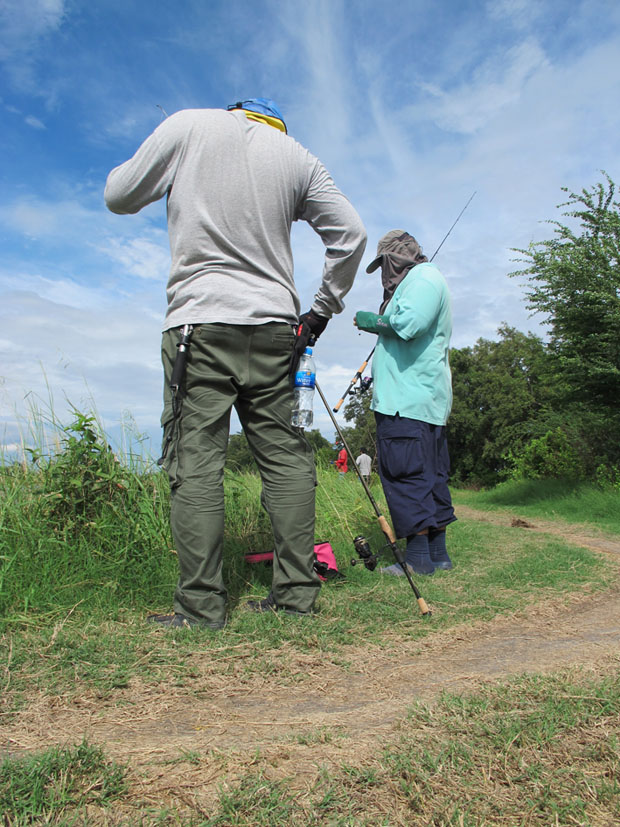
<point x="551" y="456"/>
<point x="608" y="476"/>
<point x="81" y="478"/>
<point x="80" y="525"/>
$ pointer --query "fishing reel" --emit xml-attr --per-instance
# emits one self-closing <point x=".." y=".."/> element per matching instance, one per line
<point x="364" y="553"/>
<point x="365" y="383"/>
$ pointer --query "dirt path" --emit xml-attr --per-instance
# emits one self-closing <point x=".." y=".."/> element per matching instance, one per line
<point x="355" y="705"/>
<point x="584" y="536"/>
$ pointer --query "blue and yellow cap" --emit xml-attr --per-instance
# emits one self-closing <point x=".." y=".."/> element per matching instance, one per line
<point x="266" y="110"/>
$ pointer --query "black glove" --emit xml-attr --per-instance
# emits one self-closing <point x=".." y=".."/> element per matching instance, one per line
<point x="308" y="330"/>
<point x="317" y="324"/>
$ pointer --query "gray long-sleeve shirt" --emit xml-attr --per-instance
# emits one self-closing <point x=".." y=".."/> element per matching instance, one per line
<point x="234" y="187"/>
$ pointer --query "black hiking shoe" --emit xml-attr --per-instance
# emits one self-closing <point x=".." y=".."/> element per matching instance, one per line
<point x="268" y="604"/>
<point x="181" y="621"/>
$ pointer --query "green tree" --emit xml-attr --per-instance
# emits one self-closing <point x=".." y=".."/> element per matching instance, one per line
<point x="504" y="396"/>
<point x="502" y="399"/>
<point x="362" y="434"/>
<point x="573" y="279"/>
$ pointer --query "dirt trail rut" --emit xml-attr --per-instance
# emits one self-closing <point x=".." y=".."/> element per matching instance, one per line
<point x="363" y="701"/>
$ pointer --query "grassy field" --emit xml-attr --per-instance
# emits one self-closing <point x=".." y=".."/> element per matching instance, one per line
<point x="86" y="552"/>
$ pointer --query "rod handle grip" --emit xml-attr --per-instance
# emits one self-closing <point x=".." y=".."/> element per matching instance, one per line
<point x="423" y="607"/>
<point x="386" y="529"/>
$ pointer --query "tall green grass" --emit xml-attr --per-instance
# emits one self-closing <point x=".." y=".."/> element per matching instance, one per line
<point x="79" y="528"/>
<point x="86" y="553"/>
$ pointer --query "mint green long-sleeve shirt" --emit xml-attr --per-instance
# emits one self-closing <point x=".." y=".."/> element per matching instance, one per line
<point x="411" y="370"/>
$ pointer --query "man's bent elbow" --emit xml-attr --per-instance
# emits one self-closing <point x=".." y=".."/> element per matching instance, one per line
<point x="118" y="196"/>
<point x="358" y="231"/>
<point x="119" y="205"/>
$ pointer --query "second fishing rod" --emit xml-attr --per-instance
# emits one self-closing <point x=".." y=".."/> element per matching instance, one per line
<point x="362" y="547"/>
<point x="365" y="383"/>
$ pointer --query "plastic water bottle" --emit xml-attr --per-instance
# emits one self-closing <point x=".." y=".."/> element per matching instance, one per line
<point x="305" y="379"/>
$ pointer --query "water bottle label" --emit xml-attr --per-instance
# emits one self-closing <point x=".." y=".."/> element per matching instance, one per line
<point x="305" y="379"/>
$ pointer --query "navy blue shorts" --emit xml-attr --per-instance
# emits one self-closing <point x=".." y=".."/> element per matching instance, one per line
<point x="414" y="465"/>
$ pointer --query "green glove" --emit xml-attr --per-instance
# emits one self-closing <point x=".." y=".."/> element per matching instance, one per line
<point x="373" y="323"/>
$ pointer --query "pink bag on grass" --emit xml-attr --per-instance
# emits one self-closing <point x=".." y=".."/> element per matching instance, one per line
<point x="324" y="563"/>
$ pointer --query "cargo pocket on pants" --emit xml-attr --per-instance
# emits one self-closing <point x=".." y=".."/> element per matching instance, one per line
<point x="401" y="458"/>
<point x="170" y="448"/>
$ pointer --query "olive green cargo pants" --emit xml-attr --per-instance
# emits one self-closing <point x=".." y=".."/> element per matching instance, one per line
<point x="245" y="366"/>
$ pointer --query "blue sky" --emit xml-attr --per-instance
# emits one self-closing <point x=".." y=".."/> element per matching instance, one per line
<point x="412" y="106"/>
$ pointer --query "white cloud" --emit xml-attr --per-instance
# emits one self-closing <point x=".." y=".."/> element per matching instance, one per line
<point x="35" y="123"/>
<point x="11" y="448"/>
<point x="81" y="346"/>
<point x="122" y="118"/>
<point x="142" y="257"/>
<point x="323" y="108"/>
<point x="87" y="236"/>
<point x="30" y="120"/>
<point x="497" y="83"/>
<point x="521" y="13"/>
<point x="37" y="217"/>
<point x="24" y="22"/>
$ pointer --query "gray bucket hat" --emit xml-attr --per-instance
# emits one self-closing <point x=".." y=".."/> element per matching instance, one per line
<point x="396" y="241"/>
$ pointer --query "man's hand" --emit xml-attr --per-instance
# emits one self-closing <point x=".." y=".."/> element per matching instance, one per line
<point x="365" y="320"/>
<point x="317" y="324"/>
<point x="373" y="323"/>
<point x="308" y="330"/>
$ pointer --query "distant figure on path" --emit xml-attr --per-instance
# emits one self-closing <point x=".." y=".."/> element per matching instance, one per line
<point x="341" y="462"/>
<point x="364" y="463"/>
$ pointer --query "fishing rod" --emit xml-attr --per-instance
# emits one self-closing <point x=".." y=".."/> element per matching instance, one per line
<point x="471" y="198"/>
<point x="353" y="381"/>
<point x="358" y="375"/>
<point x="383" y="523"/>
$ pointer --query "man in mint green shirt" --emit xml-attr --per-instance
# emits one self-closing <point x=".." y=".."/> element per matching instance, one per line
<point x="412" y="398"/>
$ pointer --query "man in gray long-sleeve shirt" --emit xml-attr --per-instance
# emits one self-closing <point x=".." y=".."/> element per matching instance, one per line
<point x="235" y="182"/>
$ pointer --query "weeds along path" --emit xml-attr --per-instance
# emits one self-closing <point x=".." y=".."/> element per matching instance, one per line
<point x="316" y="711"/>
